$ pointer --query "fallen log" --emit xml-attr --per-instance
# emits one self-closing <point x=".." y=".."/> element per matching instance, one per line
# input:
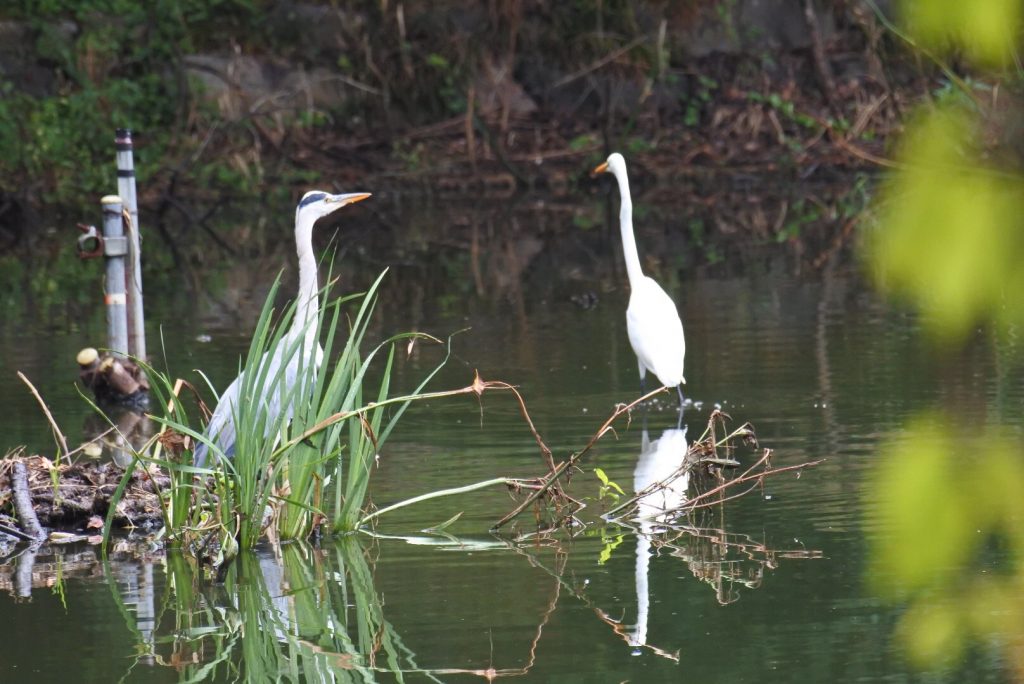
<point x="23" y="503"/>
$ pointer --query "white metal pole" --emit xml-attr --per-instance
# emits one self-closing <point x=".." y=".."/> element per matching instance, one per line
<point x="115" y="249"/>
<point x="126" y="188"/>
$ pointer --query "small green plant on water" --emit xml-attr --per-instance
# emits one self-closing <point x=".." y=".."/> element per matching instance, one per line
<point x="609" y="542"/>
<point x="609" y="489"/>
<point x="714" y="254"/>
<point x="409" y="153"/>
<point x="60" y="585"/>
<point x="698" y="237"/>
<point x="448" y="89"/>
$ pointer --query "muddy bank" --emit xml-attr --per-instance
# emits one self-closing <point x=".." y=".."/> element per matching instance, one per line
<point x="77" y="496"/>
<point x="450" y="98"/>
<point x="820" y="103"/>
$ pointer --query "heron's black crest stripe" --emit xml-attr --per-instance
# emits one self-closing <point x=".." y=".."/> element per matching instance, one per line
<point x="123" y="146"/>
<point x="315" y="197"/>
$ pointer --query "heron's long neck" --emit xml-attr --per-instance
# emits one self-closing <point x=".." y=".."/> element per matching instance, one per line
<point x="307" y="306"/>
<point x="628" y="240"/>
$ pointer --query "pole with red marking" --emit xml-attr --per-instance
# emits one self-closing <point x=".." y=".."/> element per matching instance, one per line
<point x="115" y="249"/>
<point x="126" y="189"/>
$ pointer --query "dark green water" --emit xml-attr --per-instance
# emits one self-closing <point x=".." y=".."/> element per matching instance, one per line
<point x="769" y="589"/>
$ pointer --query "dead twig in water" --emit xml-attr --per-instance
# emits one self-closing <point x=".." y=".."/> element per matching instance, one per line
<point x="15" y="532"/>
<point x="436" y="495"/>
<point x="551" y="480"/>
<point x="478" y="387"/>
<point x="63" y="443"/>
<point x="704" y="452"/>
<point x="579" y="593"/>
<point x="757" y="478"/>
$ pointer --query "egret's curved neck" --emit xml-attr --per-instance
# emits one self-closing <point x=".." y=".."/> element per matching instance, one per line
<point x="626" y="224"/>
<point x="307" y="305"/>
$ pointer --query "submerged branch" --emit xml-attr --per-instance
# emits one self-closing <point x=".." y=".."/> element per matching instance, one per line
<point x="756" y="478"/>
<point x="551" y="480"/>
<point x="703" y="455"/>
<point x="437" y="495"/>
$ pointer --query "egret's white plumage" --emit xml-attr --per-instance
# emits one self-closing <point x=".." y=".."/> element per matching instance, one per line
<point x="652" y="321"/>
<point x="299" y="344"/>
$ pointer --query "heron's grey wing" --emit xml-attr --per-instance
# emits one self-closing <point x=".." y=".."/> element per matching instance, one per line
<point x="221" y="428"/>
<point x="291" y="375"/>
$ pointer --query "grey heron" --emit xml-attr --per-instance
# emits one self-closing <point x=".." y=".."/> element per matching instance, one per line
<point x="652" y="321"/>
<point x="299" y="343"/>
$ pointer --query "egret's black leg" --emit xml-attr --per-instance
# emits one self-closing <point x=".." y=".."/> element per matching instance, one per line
<point x="679" y="421"/>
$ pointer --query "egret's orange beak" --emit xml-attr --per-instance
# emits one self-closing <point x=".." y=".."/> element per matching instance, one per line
<point x="600" y="168"/>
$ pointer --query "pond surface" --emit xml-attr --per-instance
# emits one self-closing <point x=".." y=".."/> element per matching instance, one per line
<point x="768" y="588"/>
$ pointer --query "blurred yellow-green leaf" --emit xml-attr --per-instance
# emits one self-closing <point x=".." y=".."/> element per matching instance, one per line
<point x="925" y="525"/>
<point x="950" y="236"/>
<point x="947" y="500"/>
<point x="931" y="634"/>
<point x="985" y="29"/>
<point x="941" y="498"/>
<point x="938" y="495"/>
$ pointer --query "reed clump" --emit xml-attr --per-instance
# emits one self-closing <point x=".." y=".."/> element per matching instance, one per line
<point x="307" y="435"/>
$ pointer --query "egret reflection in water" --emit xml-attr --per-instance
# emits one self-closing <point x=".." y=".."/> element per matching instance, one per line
<point x="659" y="469"/>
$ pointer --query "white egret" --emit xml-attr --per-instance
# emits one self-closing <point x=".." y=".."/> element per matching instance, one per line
<point x="652" y="321"/>
<point x="221" y="429"/>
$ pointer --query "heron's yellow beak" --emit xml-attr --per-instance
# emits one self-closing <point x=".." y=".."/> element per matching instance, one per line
<point x="600" y="168"/>
<point x="349" y="198"/>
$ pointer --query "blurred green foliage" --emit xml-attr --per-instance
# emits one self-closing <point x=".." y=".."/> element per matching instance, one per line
<point x="949" y="497"/>
<point x="944" y="498"/>
<point x="120" y="63"/>
<point x="117" y="67"/>
<point x="987" y="30"/>
<point x="949" y="237"/>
